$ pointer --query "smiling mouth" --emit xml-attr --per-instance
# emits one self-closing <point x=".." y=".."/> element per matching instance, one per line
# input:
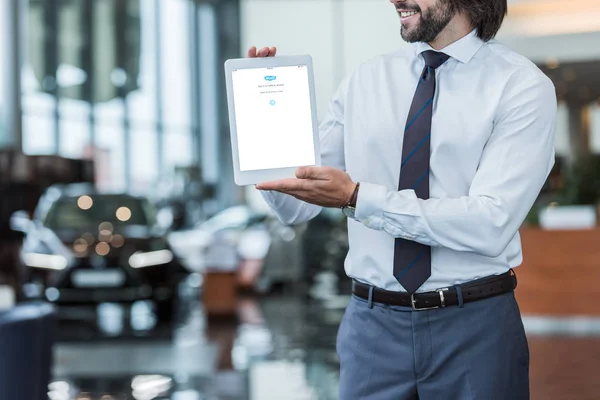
<point x="404" y="14"/>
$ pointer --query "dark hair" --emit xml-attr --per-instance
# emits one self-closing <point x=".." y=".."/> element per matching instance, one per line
<point x="486" y="15"/>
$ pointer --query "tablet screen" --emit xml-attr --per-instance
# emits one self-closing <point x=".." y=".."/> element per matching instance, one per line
<point x="273" y="117"/>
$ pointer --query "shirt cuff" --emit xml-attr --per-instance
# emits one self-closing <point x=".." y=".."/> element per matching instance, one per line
<point x="369" y="205"/>
<point x="270" y="197"/>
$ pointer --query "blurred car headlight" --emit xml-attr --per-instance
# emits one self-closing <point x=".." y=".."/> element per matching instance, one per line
<point x="47" y="261"/>
<point x="149" y="259"/>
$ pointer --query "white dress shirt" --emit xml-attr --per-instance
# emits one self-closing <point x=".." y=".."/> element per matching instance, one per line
<point x="492" y="149"/>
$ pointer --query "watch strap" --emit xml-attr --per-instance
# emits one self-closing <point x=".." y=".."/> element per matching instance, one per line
<point x="354" y="198"/>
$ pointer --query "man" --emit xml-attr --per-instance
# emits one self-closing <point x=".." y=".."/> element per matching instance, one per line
<point x="436" y="153"/>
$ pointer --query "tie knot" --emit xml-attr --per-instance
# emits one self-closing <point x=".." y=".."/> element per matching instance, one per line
<point x="434" y="59"/>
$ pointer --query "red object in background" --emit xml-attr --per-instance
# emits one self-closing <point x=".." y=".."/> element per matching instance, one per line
<point x="560" y="272"/>
<point x="220" y="293"/>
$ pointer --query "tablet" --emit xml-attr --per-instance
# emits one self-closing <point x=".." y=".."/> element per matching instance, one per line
<point x="272" y="117"/>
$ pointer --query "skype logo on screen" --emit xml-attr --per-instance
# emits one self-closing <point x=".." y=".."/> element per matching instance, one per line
<point x="270" y="78"/>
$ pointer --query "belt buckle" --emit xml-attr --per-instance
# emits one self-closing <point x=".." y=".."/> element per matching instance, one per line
<point x="413" y="302"/>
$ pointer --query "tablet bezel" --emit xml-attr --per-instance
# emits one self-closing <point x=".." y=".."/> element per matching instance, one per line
<point x="243" y="178"/>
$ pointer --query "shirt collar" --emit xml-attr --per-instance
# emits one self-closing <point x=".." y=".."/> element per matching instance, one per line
<point x="463" y="49"/>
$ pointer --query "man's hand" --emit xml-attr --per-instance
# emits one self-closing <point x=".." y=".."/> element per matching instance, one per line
<point x="264" y="52"/>
<point x="322" y="186"/>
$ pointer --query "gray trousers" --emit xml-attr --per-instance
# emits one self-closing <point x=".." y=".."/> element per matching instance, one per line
<point x="479" y="351"/>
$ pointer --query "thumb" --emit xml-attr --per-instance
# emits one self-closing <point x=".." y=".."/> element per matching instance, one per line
<point x="319" y="173"/>
<point x="304" y="173"/>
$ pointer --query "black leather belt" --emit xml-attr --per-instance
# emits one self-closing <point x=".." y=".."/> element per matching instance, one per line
<point x="471" y="291"/>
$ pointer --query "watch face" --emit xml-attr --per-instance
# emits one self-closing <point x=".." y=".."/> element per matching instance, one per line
<point x="349" y="212"/>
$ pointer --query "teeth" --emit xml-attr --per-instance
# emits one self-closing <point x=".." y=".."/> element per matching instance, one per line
<point x="406" y="14"/>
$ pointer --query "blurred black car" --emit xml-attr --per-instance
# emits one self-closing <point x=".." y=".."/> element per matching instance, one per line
<point x="84" y="247"/>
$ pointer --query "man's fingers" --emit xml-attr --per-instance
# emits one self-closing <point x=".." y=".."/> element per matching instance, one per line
<point x="281" y="185"/>
<point x="264" y="52"/>
<point x="303" y="173"/>
<point x="319" y="173"/>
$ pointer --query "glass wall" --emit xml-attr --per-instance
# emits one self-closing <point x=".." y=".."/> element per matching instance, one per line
<point x="135" y="84"/>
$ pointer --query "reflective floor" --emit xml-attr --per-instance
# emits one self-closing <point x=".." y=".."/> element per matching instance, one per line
<point x="281" y="347"/>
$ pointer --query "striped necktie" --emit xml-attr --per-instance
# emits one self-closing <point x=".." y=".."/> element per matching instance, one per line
<point x="412" y="260"/>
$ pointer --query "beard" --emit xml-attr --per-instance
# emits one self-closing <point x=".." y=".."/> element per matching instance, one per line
<point x="430" y="24"/>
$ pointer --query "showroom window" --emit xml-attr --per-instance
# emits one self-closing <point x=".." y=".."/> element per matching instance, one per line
<point x="135" y="84"/>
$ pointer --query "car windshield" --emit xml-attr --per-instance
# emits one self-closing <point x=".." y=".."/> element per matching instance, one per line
<point x="86" y="212"/>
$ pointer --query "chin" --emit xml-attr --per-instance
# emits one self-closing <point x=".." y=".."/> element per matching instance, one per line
<point x="407" y="35"/>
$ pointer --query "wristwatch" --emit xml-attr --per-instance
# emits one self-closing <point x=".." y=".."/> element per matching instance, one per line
<point x="349" y="209"/>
